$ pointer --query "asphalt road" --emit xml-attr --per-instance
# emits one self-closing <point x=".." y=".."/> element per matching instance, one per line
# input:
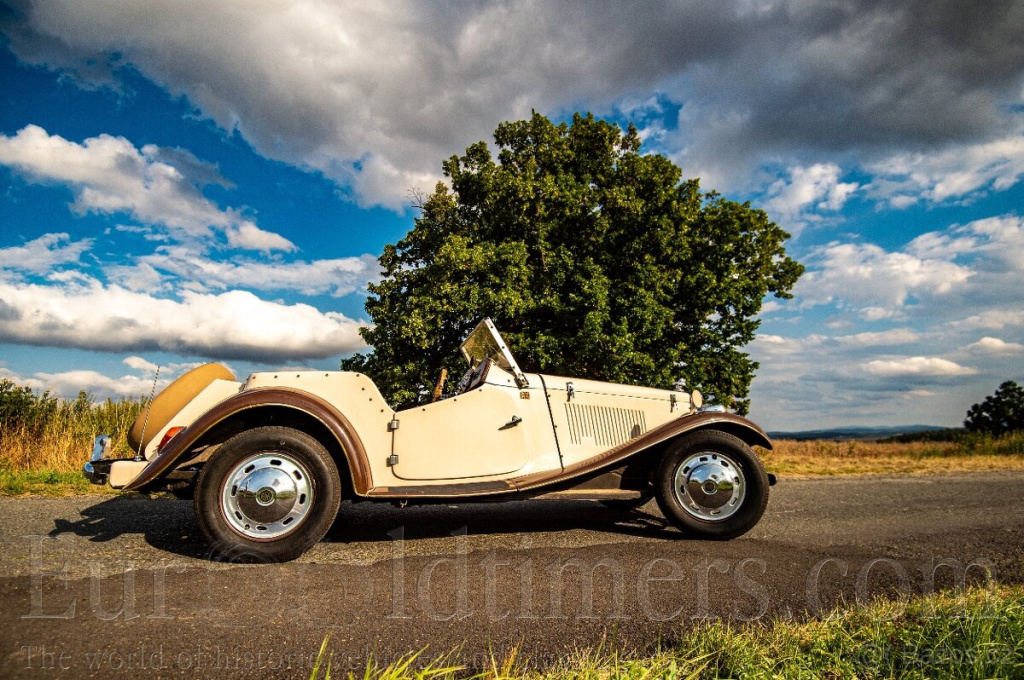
<point x="101" y="586"/>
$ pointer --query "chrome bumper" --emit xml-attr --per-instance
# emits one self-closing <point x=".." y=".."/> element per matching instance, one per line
<point x="98" y="468"/>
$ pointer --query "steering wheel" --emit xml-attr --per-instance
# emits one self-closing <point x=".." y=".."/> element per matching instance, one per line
<point x="471" y="378"/>
<point x="466" y="378"/>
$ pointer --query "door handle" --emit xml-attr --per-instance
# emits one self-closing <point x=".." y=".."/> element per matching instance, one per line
<point x="512" y="423"/>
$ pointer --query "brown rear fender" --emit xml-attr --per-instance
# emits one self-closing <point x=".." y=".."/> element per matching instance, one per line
<point x="338" y="425"/>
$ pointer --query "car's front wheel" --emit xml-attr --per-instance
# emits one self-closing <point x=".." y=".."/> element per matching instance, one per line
<point x="267" y="494"/>
<point x="710" y="484"/>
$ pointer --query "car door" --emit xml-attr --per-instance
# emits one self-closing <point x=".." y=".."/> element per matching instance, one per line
<point x="480" y="433"/>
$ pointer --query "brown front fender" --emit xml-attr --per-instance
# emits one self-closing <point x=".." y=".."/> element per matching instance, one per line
<point x="735" y="425"/>
<point x="727" y="422"/>
<point x="330" y="417"/>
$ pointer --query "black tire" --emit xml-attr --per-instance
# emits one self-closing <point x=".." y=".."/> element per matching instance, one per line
<point x="724" y="509"/>
<point x="627" y="504"/>
<point x="285" y="495"/>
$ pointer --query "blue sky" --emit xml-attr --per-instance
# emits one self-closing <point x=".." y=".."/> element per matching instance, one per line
<point x="193" y="181"/>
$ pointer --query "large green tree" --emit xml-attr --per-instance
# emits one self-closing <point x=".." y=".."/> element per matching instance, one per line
<point x="999" y="413"/>
<point x="593" y="259"/>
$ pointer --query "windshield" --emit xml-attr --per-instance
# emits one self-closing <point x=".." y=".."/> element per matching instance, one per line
<point x="485" y="343"/>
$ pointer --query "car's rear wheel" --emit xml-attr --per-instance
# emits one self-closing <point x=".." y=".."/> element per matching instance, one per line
<point x="710" y="484"/>
<point x="267" y="494"/>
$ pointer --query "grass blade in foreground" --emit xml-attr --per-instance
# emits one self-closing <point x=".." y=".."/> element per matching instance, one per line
<point x="977" y="634"/>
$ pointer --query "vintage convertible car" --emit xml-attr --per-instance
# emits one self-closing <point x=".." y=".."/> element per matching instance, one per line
<point x="269" y="460"/>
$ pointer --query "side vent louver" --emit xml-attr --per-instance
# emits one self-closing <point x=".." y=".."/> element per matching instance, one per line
<point x="606" y="426"/>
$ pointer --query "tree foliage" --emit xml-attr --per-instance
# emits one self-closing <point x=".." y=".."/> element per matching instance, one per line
<point x="999" y="413"/>
<point x="594" y="260"/>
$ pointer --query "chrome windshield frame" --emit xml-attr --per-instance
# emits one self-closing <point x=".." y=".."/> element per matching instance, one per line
<point x="485" y="342"/>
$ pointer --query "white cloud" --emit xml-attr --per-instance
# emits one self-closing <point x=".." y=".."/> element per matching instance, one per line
<point x="337" y="277"/>
<point x="844" y="380"/>
<point x="140" y="277"/>
<point x="991" y="319"/>
<point x="775" y="346"/>
<point x="942" y="245"/>
<point x="815" y="188"/>
<point x="942" y="288"/>
<point x="893" y="336"/>
<point x="996" y="347"/>
<point x="916" y="366"/>
<point x="40" y="255"/>
<point x="961" y="172"/>
<point x="69" y="383"/>
<point x="140" y="364"/>
<point x="953" y="292"/>
<point x="770" y="339"/>
<point x="875" y="281"/>
<point x="82" y="312"/>
<point x="248" y="236"/>
<point x="109" y="176"/>
<point x="1001" y="239"/>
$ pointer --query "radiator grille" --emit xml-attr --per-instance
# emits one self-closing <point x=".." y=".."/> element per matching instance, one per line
<point x="606" y="426"/>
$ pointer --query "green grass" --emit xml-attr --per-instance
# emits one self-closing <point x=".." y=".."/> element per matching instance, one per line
<point x="978" y="634"/>
<point x="48" y="483"/>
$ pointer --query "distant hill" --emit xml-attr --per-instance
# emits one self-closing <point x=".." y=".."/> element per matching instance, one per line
<point x="857" y="432"/>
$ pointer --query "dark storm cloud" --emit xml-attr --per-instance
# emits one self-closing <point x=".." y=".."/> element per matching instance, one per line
<point x="882" y="74"/>
<point x="376" y="95"/>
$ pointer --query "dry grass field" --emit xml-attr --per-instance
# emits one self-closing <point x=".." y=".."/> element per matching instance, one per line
<point x="821" y="457"/>
<point x="44" y="442"/>
<point x="46" y="433"/>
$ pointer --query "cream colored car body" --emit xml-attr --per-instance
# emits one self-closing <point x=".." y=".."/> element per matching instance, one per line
<point x="503" y="431"/>
<point x="464" y="437"/>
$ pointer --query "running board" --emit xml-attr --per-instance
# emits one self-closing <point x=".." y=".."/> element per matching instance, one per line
<point x="589" y="495"/>
<point x="441" y="490"/>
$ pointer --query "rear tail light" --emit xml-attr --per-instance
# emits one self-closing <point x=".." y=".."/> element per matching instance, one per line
<point x="171" y="434"/>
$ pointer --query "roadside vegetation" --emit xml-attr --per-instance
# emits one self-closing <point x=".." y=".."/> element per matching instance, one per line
<point x="974" y="634"/>
<point x="965" y="452"/>
<point x="44" y="442"/>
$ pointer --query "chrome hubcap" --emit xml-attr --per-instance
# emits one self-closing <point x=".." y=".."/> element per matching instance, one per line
<point x="267" y="495"/>
<point x="710" y="486"/>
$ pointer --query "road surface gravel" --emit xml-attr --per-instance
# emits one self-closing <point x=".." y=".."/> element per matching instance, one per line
<point x="100" y="586"/>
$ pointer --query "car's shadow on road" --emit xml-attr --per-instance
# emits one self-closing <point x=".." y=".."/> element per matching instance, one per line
<point x="377" y="521"/>
<point x="165" y="524"/>
<point x="169" y="525"/>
